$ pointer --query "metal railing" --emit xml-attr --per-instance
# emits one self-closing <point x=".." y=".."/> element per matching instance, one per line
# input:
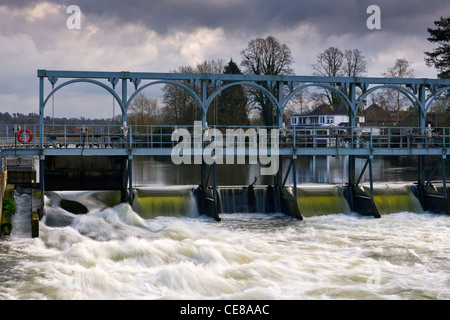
<point x="161" y="136"/>
<point x="366" y="137"/>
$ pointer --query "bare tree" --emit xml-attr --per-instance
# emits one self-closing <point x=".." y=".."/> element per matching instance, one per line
<point x="334" y="63"/>
<point x="144" y="110"/>
<point x="354" y="64"/>
<point x="210" y="66"/>
<point x="266" y="57"/>
<point x="300" y="103"/>
<point x="396" y="100"/>
<point x="329" y="63"/>
<point x="440" y="105"/>
<point x="401" y="69"/>
<point x="179" y="106"/>
<point x="215" y="66"/>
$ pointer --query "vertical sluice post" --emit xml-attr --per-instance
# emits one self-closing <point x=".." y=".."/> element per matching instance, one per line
<point x="288" y="201"/>
<point x="294" y="176"/>
<point x="363" y="204"/>
<point x="420" y="160"/>
<point x="444" y="184"/>
<point x="214" y="183"/>
<point x="42" y="177"/>
<point x="371" y="180"/>
<point x="279" y="124"/>
<point x="130" y="179"/>
<point x="420" y="184"/>
<point x="351" y="159"/>
<point x="206" y="202"/>
<point x="35" y="215"/>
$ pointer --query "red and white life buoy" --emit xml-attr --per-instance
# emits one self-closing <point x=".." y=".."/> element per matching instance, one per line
<point x="27" y="137"/>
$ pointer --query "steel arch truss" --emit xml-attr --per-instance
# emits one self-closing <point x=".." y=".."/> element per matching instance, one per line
<point x="420" y="92"/>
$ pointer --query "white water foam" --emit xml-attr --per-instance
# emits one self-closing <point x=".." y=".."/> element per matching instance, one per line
<point x="115" y="254"/>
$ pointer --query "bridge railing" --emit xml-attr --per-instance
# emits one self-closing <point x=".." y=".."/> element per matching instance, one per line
<point x="365" y="137"/>
<point x="160" y="136"/>
<point x="12" y="135"/>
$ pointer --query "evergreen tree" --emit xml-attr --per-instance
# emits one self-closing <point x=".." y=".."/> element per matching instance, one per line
<point x="233" y="101"/>
<point x="440" y="56"/>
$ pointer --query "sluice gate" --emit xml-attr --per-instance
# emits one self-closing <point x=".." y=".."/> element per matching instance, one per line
<point x="181" y="201"/>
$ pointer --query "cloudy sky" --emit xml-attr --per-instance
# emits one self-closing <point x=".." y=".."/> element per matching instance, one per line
<point x="162" y="35"/>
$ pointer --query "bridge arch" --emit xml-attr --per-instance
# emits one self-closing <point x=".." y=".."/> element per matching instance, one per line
<point x="323" y="85"/>
<point x="98" y="83"/>
<point x="252" y="84"/>
<point x="433" y="97"/>
<point x="411" y="97"/>
<point x="178" y="84"/>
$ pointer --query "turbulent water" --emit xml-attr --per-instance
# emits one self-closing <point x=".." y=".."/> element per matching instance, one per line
<point x="114" y="253"/>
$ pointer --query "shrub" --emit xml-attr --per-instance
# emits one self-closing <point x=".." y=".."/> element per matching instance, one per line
<point x="9" y="205"/>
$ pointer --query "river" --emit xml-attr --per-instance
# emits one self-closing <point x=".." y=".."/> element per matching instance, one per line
<point x="116" y="253"/>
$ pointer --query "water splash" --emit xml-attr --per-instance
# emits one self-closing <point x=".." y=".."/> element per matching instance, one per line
<point x="115" y="253"/>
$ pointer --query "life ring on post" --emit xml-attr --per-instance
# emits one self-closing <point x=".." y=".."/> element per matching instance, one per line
<point x="23" y="139"/>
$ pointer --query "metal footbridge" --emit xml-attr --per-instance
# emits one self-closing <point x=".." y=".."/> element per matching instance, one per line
<point x="280" y="90"/>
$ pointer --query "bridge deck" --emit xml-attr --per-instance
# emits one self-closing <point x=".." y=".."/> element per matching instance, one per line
<point x="160" y="140"/>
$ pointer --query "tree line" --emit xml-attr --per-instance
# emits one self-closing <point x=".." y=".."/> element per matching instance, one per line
<point x="33" y="118"/>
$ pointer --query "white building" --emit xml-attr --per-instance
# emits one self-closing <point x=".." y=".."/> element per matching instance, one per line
<point x="325" y="115"/>
<point x="323" y="127"/>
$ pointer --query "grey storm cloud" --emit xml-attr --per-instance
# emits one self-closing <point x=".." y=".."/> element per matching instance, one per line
<point x="115" y="36"/>
<point x="259" y="16"/>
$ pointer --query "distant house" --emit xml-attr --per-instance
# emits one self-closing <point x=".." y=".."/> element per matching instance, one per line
<point x="320" y="127"/>
<point x="325" y="115"/>
<point x="377" y="116"/>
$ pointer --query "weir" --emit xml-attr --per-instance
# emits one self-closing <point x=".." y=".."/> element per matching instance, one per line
<point x="180" y="201"/>
<point x="322" y="199"/>
<point x="394" y="198"/>
<point x="245" y="199"/>
<point x="101" y="157"/>
<point x="177" y="201"/>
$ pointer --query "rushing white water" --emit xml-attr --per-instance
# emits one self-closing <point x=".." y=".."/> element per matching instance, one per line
<point x="114" y="253"/>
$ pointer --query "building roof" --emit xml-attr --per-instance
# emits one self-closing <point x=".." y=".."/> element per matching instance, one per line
<point x="377" y="114"/>
<point x="327" y="110"/>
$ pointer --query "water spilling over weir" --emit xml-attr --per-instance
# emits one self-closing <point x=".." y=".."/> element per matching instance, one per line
<point x="316" y="199"/>
<point x="180" y="201"/>
<point x="150" y="202"/>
